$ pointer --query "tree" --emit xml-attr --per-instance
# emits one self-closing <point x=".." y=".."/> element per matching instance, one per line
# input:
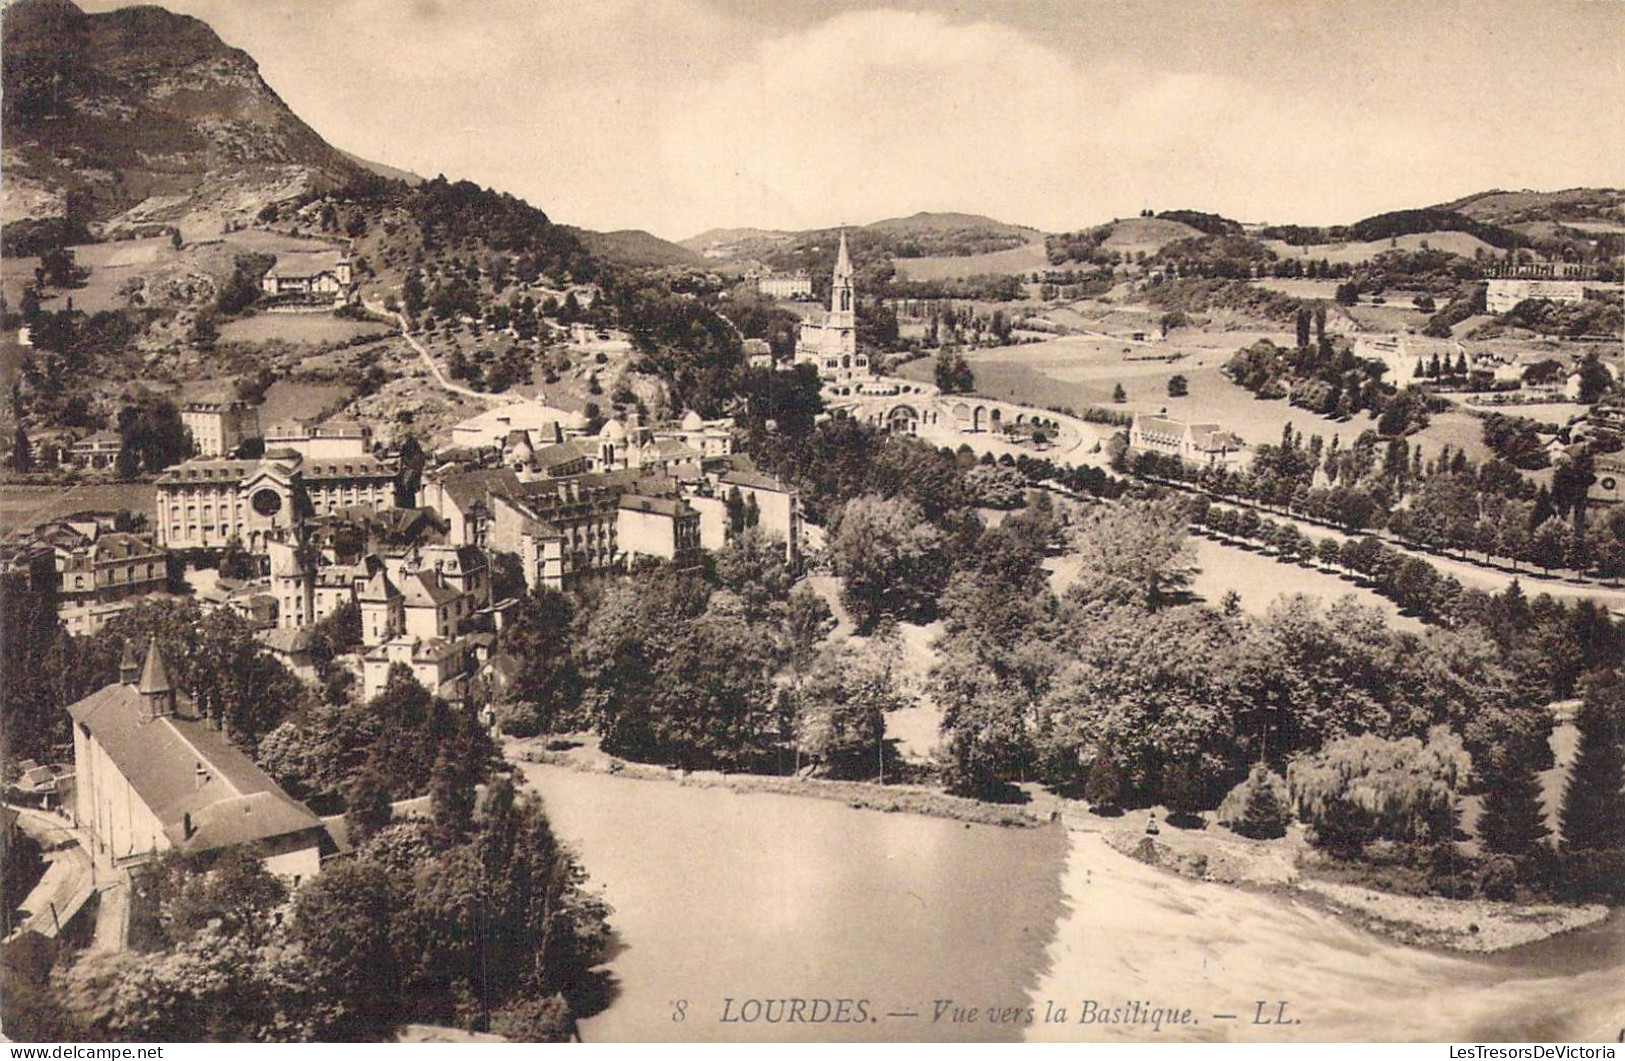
<point x="842" y="708"/>
<point x="1178" y="386"/>
<point x="451" y="789"/>
<point x="1593" y="814"/>
<point x="1119" y="395"/>
<point x="1103" y="787"/>
<point x="1137" y="551"/>
<point x="366" y="804"/>
<point x="890" y="559"/>
<point x="22" y="454"/>
<point x="1513" y="820"/>
<point x="203" y="333"/>
<point x="1595" y="379"/>
<point x="953" y="372"/>
<point x="1365" y="788"/>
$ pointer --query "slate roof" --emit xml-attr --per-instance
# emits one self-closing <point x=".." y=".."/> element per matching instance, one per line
<point x="231" y="802"/>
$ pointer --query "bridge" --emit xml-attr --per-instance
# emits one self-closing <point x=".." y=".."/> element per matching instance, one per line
<point x="910" y="407"/>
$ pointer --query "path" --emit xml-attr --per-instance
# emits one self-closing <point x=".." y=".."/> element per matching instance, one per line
<point x="76" y="872"/>
<point x="434" y="369"/>
<point x="1474" y="574"/>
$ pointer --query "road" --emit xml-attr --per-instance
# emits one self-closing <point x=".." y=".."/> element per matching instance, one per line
<point x="434" y="369"/>
<point x="69" y="880"/>
<point x="73" y="875"/>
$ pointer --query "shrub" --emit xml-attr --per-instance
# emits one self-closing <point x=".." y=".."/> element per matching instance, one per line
<point x="1258" y="807"/>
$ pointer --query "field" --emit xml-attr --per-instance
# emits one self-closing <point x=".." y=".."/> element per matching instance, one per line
<point x="26" y="506"/>
<point x="287" y="400"/>
<point x="1259" y="581"/>
<point x="1017" y="260"/>
<point x="111" y="265"/>
<point x="1131" y="235"/>
<point x="1453" y="242"/>
<point x="313" y="328"/>
<point x="1079" y="372"/>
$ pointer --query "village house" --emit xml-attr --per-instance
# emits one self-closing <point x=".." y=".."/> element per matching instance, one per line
<point x="324" y="276"/>
<point x="439" y="665"/>
<point x="152" y="776"/>
<point x="97" y="451"/>
<point x="1198" y="444"/>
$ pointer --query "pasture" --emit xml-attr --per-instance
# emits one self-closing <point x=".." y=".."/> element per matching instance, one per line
<point x="1016" y="261"/>
<point x="308" y="328"/>
<point x="26" y="506"/>
<point x="287" y="400"/>
<point x="1353" y="253"/>
<point x="111" y="266"/>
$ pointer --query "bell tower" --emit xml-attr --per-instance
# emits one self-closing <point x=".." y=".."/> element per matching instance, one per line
<point x="842" y="298"/>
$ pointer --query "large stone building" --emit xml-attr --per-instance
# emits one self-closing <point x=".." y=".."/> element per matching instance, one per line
<point x="785" y="285"/>
<point x="218" y="428"/>
<point x="830" y="342"/>
<point x="206" y="503"/>
<point x="320" y="439"/>
<point x="1501" y="295"/>
<point x="152" y="776"/>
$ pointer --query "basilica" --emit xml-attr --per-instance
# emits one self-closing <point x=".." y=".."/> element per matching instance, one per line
<point x="830" y="343"/>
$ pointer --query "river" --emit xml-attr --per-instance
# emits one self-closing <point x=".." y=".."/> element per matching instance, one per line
<point x="721" y="895"/>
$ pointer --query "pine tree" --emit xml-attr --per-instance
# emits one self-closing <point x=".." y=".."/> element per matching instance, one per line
<point x="1119" y="395"/>
<point x="1513" y="821"/>
<point x="1593" y="813"/>
<point x="22" y="454"/>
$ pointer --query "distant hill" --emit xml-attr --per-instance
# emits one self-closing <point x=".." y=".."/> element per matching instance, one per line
<point x="390" y="173"/>
<point x="139" y="114"/>
<point x="635" y="247"/>
<point x="923" y="237"/>
<point x="1511" y="208"/>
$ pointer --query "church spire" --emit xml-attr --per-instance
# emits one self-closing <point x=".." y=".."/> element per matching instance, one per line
<point x="842" y="299"/>
<point x="156" y="688"/>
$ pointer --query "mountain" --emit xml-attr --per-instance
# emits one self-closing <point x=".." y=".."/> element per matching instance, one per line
<point x="141" y="115"/>
<point x="635" y="247"/>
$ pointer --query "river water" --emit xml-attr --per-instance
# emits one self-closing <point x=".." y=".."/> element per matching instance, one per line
<point x="724" y="896"/>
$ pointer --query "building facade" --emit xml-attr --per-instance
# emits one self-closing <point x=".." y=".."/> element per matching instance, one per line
<point x="218" y="428"/>
<point x="1200" y="444"/>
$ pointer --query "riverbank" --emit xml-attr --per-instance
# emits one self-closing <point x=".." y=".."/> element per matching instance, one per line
<point x="587" y="757"/>
<point x="1215" y="855"/>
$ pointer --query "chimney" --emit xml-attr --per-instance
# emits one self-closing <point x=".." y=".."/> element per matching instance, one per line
<point x="201" y="774"/>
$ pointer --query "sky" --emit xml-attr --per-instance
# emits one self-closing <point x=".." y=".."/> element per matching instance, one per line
<point x="678" y="116"/>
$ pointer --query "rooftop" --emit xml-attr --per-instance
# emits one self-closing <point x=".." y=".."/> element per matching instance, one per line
<point x="187" y="772"/>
